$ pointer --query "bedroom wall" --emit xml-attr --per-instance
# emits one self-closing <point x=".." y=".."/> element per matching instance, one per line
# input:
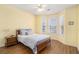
<point x="38" y="24"/>
<point x="11" y="19"/>
<point x="70" y="31"/>
<point x="78" y="26"/>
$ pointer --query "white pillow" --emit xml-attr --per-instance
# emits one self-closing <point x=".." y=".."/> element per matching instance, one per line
<point x="23" y="32"/>
<point x="26" y="32"/>
<point x="30" y="32"/>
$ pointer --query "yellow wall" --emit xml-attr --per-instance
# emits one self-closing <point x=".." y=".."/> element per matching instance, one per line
<point x="78" y="26"/>
<point x="11" y="19"/>
<point x="70" y="31"/>
<point x="38" y="24"/>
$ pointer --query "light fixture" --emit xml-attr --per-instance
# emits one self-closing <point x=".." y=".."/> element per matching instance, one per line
<point x="40" y="7"/>
<point x="43" y="5"/>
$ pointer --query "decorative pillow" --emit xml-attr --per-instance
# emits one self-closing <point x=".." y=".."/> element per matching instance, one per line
<point x="26" y="31"/>
<point x="30" y="31"/>
<point x="23" y="32"/>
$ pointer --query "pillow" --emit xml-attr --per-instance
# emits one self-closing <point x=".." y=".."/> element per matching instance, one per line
<point x="23" y="32"/>
<point x="26" y="32"/>
<point x="30" y="31"/>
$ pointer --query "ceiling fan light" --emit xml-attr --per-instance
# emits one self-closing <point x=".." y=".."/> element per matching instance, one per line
<point x="43" y="5"/>
<point x="40" y="9"/>
<point x="39" y="5"/>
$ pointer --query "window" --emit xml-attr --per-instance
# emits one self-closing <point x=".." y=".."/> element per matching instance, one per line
<point x="43" y="24"/>
<point x="52" y="25"/>
<point x="61" y="22"/>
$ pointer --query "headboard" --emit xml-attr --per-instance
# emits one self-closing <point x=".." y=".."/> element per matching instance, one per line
<point x="18" y="32"/>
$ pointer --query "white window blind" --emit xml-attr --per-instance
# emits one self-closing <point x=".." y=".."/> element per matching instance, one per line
<point x="43" y="24"/>
<point x="52" y="25"/>
<point x="61" y="22"/>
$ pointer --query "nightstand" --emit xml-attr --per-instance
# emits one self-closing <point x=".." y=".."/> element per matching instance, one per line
<point x="11" y="41"/>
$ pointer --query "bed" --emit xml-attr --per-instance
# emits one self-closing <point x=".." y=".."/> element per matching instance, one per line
<point x="36" y="42"/>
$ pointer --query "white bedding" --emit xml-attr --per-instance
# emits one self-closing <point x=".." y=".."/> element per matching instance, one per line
<point x="31" y="40"/>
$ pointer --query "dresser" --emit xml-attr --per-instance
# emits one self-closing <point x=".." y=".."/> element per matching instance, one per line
<point x="10" y="41"/>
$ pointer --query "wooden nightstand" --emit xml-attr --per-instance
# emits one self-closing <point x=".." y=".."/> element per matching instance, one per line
<point x="11" y="41"/>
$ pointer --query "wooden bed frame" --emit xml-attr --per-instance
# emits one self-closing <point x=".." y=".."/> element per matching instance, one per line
<point x="40" y="45"/>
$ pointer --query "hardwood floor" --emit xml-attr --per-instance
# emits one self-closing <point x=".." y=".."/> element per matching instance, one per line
<point x="59" y="48"/>
<point x="55" y="48"/>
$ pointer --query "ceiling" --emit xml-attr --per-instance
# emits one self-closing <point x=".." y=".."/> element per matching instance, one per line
<point x="49" y="9"/>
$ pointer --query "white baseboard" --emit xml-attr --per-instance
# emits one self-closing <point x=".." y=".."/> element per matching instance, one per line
<point x="62" y="41"/>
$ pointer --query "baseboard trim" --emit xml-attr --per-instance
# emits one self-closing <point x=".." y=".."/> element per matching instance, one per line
<point x="67" y="44"/>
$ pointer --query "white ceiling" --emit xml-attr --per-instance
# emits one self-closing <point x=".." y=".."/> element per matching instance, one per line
<point x="49" y="9"/>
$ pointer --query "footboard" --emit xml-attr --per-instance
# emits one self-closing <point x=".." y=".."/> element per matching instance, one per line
<point x="43" y="44"/>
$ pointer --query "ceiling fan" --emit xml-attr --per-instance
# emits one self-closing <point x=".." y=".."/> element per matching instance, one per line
<point x="40" y="7"/>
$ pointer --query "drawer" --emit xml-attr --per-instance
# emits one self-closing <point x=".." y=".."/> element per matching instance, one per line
<point x="11" y="43"/>
<point x="11" y="39"/>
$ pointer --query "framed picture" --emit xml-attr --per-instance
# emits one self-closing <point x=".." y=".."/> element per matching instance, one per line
<point x="71" y="22"/>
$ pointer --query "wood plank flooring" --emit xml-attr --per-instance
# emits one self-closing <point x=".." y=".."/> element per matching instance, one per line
<point x="55" y="48"/>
